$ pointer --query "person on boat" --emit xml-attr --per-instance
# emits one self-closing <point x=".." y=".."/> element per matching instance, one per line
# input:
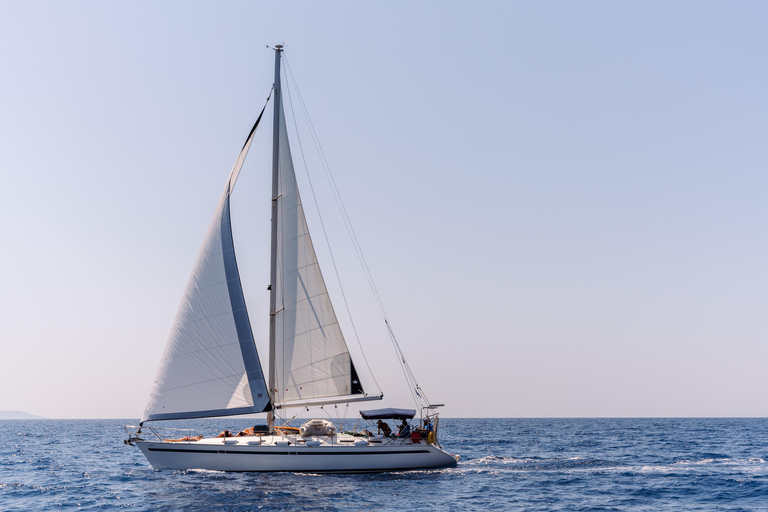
<point x="185" y="438"/>
<point x="225" y="433"/>
<point x="246" y="432"/>
<point x="404" y="430"/>
<point x="384" y="428"/>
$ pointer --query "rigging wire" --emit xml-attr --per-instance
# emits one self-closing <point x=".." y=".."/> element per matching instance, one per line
<point x="322" y="224"/>
<point x="416" y="391"/>
<point x="288" y="422"/>
<point x="337" y="195"/>
<point x="414" y="388"/>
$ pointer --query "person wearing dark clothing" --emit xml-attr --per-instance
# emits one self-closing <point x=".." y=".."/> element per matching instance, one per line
<point x="404" y="430"/>
<point x="384" y="428"/>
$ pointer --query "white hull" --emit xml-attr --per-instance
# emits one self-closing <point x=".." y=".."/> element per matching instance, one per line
<point x="244" y="454"/>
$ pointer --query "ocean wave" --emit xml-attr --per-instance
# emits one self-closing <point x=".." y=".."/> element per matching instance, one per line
<point x="539" y="464"/>
<point x="478" y="471"/>
<point x="479" y="442"/>
<point x="720" y="461"/>
<point x="494" y="459"/>
<point x="543" y="469"/>
<point x="204" y="471"/>
<point x="30" y="487"/>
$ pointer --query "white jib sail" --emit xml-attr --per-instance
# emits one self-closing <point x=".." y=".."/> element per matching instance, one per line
<point x="210" y="366"/>
<point x="311" y="356"/>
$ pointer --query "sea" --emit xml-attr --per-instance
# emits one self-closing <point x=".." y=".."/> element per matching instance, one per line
<point x="506" y="464"/>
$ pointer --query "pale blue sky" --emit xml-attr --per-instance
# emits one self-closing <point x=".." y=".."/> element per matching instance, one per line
<point x="563" y="203"/>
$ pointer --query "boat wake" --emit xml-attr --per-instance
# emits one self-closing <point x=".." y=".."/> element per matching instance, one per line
<point x="205" y="471"/>
<point x="538" y="463"/>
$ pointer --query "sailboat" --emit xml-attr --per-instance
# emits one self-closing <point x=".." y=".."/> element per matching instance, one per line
<point x="211" y="366"/>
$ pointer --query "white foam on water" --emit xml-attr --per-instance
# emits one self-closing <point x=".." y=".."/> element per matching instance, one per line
<point x="477" y="471"/>
<point x="721" y="462"/>
<point x="493" y="459"/>
<point x="655" y="469"/>
<point x="206" y="471"/>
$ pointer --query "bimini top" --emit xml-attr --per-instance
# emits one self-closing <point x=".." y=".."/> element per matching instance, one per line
<point x="388" y="413"/>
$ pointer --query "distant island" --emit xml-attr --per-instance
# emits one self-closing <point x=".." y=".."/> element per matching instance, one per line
<point x="19" y="415"/>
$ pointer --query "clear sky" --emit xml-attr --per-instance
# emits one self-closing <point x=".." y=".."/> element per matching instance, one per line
<point x="563" y="203"/>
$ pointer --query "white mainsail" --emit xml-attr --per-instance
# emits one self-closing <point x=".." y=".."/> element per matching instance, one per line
<point x="210" y="366"/>
<point x="311" y="357"/>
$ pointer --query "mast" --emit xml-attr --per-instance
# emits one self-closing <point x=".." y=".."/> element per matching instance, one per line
<point x="273" y="253"/>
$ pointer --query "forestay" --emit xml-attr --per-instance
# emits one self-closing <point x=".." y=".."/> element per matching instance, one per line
<point x="311" y="357"/>
<point x="210" y="366"/>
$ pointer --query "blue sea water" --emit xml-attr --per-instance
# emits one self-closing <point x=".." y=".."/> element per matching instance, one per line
<point x="506" y="464"/>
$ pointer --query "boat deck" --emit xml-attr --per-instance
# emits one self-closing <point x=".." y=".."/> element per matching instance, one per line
<point x="298" y="440"/>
